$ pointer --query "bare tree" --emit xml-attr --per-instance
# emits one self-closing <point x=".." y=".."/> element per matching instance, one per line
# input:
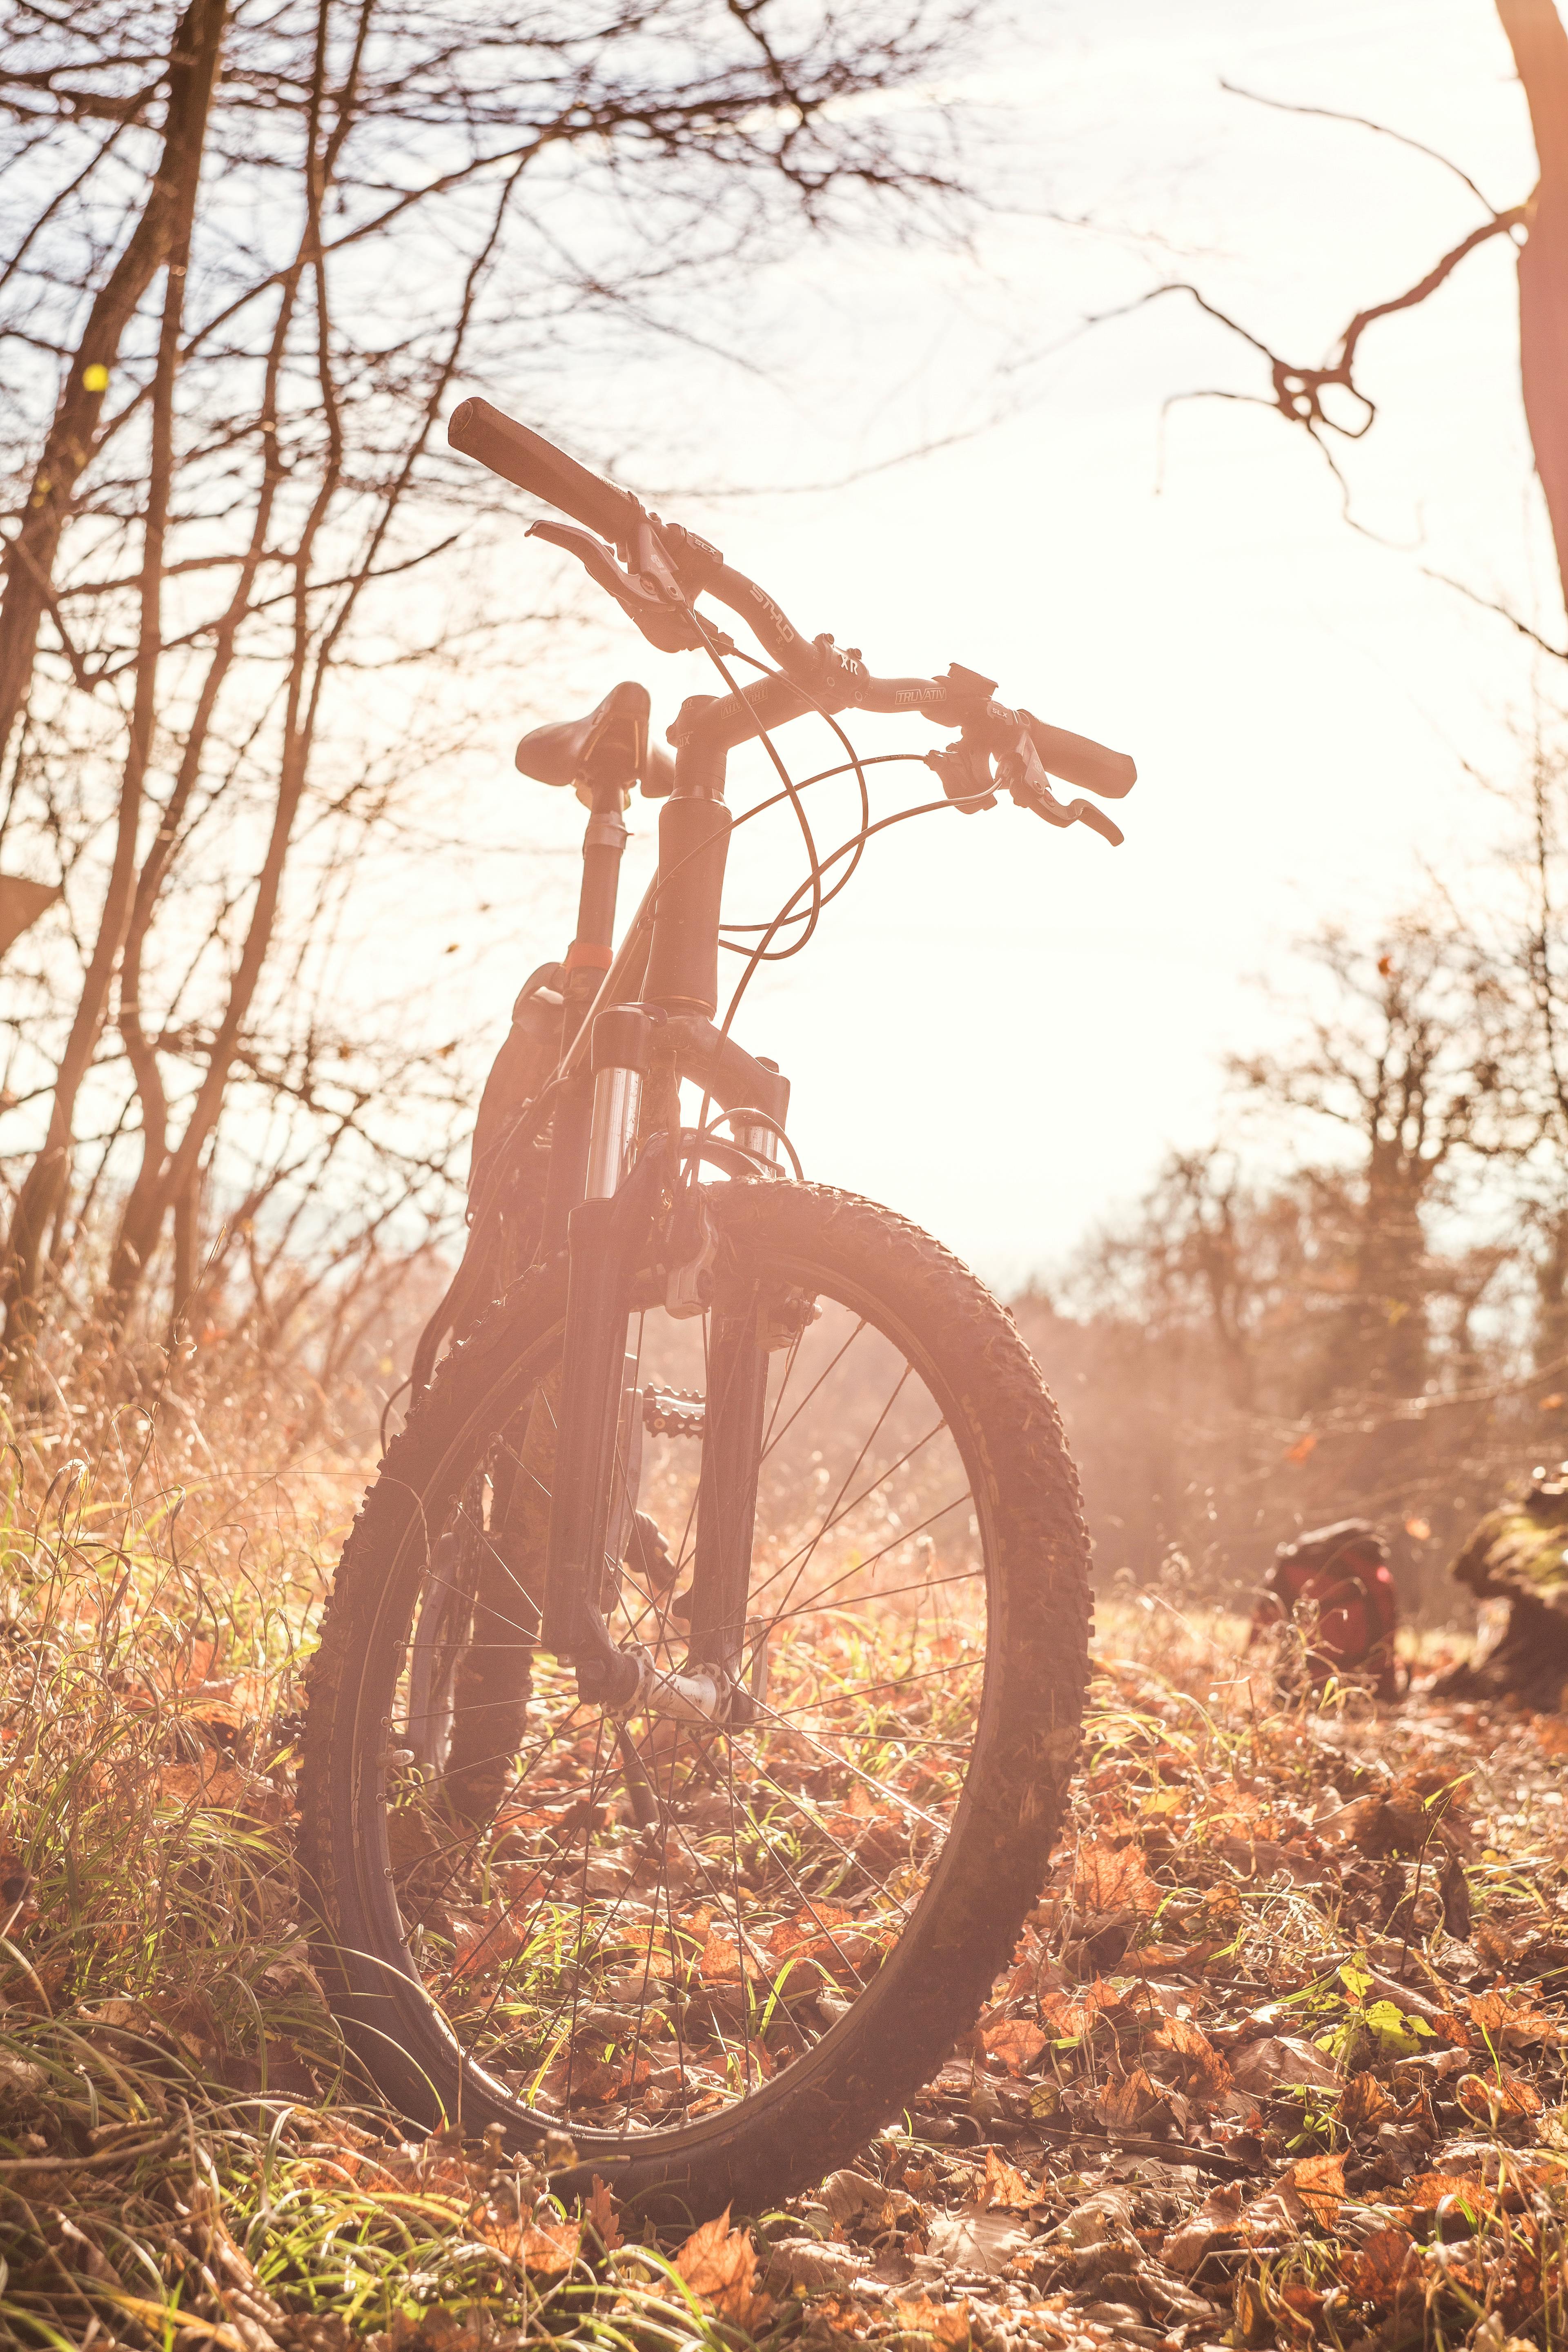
<point x="1326" y="401"/>
<point x="159" y="242"/>
<point x="1409" y="1060"/>
<point x="259" y="519"/>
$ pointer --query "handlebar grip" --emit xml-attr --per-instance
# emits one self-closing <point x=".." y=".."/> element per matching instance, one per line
<point x="534" y="464"/>
<point x="1079" y="760"/>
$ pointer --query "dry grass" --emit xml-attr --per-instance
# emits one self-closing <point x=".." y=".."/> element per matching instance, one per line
<point x="1120" y="2153"/>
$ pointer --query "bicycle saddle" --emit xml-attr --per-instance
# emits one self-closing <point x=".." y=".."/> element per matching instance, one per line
<point x="610" y="747"/>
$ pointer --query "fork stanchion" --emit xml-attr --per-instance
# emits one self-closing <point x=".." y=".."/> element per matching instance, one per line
<point x="622" y="1042"/>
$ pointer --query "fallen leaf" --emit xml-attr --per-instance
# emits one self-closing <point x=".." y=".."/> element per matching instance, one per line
<point x="603" y="2214"/>
<point x="1277" y="2214"/>
<point x="1004" y="2187"/>
<point x="1218" y="2216"/>
<point x="1254" y="2323"/>
<point x="1381" y="2269"/>
<point x="1016" y="2043"/>
<point x="846" y="2194"/>
<point x="1365" y="2102"/>
<point x="718" y="2264"/>
<point x="490" y="1942"/>
<point x="543" y="2248"/>
<point x="1125" y="2106"/>
<point x="1487" y="2101"/>
<point x="1511" y="2023"/>
<point x="1069" y="2018"/>
<point x="1427" y="2190"/>
<point x="947" y="2324"/>
<point x="218" y="1787"/>
<point x="809" y="2266"/>
<point x="970" y="2239"/>
<point x="1282" y="2058"/>
<point x="1113" y="1878"/>
<point x="1320" y="2183"/>
<point x="1208" y="2073"/>
<point x="722" y="1962"/>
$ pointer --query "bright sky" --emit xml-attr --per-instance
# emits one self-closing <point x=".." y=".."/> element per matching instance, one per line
<point x="1001" y="1028"/>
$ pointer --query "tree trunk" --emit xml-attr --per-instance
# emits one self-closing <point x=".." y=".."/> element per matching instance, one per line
<point x="173" y="199"/>
<point x="30" y="560"/>
<point x="1539" y="44"/>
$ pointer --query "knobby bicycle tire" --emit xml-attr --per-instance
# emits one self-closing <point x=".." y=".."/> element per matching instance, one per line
<point x="988" y="1872"/>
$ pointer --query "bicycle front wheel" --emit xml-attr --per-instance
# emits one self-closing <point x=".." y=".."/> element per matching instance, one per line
<point x="714" y="1958"/>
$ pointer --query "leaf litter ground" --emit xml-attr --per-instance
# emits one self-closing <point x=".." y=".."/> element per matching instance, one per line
<point x="1278" y="2059"/>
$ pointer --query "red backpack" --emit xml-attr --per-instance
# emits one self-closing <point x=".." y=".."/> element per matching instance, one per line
<point x="1333" y="1582"/>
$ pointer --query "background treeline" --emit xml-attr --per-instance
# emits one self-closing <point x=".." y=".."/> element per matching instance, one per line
<point x="1356" y="1301"/>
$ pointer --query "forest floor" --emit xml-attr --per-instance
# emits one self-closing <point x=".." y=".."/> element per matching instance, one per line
<point x="1279" y="2061"/>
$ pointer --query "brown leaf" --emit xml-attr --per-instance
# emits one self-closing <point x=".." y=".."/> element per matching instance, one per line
<point x="1004" y="2187"/>
<point x="216" y="1786"/>
<point x="947" y="2324"/>
<point x="597" y="2082"/>
<point x="718" y="2264"/>
<point x="1280" y="2058"/>
<point x="1365" y="2102"/>
<point x="1381" y="2269"/>
<point x="809" y="2265"/>
<point x="1277" y="2214"/>
<point x="1511" y="2023"/>
<point x="1113" y="1878"/>
<point x="722" y="1962"/>
<point x="1320" y="2183"/>
<point x="1016" y="2043"/>
<point x="810" y="1930"/>
<point x="496" y="1937"/>
<point x="1254" y="2321"/>
<point x="1208" y="2076"/>
<point x="1124" y="2106"/>
<point x="1427" y="2191"/>
<point x="603" y="2215"/>
<point x="1218" y="2216"/>
<point x="1067" y="2018"/>
<point x="1487" y="2101"/>
<point x="543" y="2248"/>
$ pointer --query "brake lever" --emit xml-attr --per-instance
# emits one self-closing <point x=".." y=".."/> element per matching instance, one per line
<point x="642" y="595"/>
<point x="1020" y="771"/>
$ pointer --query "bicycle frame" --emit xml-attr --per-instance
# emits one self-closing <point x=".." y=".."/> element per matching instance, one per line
<point x="620" y="1166"/>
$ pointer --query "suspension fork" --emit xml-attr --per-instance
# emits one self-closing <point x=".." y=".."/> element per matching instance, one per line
<point x="607" y="1238"/>
<point x="617" y="1192"/>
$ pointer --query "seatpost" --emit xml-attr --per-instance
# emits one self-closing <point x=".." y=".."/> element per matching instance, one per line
<point x="588" y="959"/>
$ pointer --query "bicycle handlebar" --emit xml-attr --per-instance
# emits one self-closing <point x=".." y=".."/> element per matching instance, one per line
<point x="669" y="566"/>
<point x="534" y="464"/>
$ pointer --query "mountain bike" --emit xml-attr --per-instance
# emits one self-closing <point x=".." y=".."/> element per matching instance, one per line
<point x="698" y="1697"/>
